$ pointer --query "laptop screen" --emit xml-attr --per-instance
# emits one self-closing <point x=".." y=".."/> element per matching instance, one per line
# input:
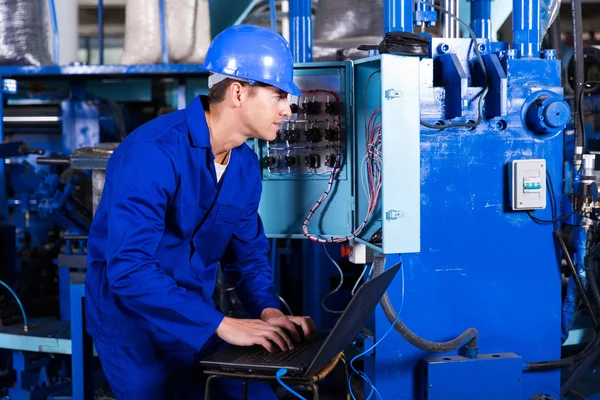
<point x="354" y="317"/>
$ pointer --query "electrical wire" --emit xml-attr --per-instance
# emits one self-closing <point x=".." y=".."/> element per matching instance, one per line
<point x="25" y="325"/>
<point x="287" y="307"/>
<point x="553" y="205"/>
<point x="483" y="68"/>
<point x="362" y="374"/>
<point x="372" y="154"/>
<point x="280" y="373"/>
<point x="338" y="286"/>
<point x="360" y="278"/>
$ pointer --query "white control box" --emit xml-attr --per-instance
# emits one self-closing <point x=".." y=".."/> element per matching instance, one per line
<point x="527" y="184"/>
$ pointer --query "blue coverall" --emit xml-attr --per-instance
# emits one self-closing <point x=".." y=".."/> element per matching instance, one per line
<point x="161" y="228"/>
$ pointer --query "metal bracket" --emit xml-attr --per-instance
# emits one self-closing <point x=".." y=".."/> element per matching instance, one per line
<point x="393" y="94"/>
<point x="391" y="215"/>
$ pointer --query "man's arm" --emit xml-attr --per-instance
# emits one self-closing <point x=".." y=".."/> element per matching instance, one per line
<point x="143" y="181"/>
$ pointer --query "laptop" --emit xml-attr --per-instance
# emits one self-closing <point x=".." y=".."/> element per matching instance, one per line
<point x="307" y="357"/>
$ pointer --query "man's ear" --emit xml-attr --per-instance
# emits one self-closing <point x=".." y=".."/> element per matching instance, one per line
<point x="237" y="92"/>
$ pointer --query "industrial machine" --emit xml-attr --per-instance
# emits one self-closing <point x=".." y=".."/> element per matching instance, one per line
<point x="457" y="155"/>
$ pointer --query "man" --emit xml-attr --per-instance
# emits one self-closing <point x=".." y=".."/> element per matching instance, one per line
<point x="181" y="194"/>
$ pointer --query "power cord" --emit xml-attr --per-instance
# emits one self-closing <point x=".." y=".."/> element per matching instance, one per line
<point x="338" y="286"/>
<point x="280" y="373"/>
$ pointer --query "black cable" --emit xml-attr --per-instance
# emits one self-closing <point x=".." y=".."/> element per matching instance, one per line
<point x="548" y="365"/>
<point x="589" y="360"/>
<point x="554" y="219"/>
<point x="578" y="57"/>
<point x="483" y="68"/>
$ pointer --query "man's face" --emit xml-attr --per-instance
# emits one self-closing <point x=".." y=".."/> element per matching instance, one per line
<point x="263" y="110"/>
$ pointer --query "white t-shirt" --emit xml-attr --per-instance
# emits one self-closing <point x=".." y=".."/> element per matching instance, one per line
<point x="220" y="168"/>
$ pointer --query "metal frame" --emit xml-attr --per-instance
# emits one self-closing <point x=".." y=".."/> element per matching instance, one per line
<point x="212" y="375"/>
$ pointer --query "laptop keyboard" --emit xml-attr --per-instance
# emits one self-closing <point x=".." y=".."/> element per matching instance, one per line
<point x="262" y="356"/>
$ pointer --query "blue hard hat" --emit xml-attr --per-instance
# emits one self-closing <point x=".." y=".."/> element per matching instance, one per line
<point x="253" y="53"/>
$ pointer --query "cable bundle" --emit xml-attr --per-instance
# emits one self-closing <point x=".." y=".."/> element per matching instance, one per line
<point x="372" y="162"/>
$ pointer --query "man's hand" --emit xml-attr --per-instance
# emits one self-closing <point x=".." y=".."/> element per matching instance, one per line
<point x="249" y="332"/>
<point x="277" y="318"/>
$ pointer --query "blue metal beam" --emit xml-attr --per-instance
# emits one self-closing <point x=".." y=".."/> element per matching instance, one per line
<point x="526" y="28"/>
<point x="301" y="30"/>
<point x="397" y="16"/>
<point x="481" y="15"/>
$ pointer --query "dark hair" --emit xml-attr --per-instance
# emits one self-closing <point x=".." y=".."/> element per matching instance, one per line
<point x="216" y="94"/>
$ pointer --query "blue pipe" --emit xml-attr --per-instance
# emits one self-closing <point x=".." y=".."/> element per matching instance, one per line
<point x="397" y="16"/>
<point x="100" y="32"/>
<point x="301" y="30"/>
<point x="55" y="39"/>
<point x="273" y="12"/>
<point x="163" y="32"/>
<point x="481" y="21"/>
<point x="526" y="28"/>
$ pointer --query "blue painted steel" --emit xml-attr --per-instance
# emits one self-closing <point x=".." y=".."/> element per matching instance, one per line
<point x="55" y="39"/>
<point x="82" y="347"/>
<point x="100" y="32"/>
<point x="526" y="28"/>
<point x="448" y="73"/>
<point x="397" y="16"/>
<point x="425" y="15"/>
<point x="496" y="101"/>
<point x="398" y="211"/>
<point x="548" y="115"/>
<point x="489" y="377"/>
<point x="63" y="292"/>
<point x="36" y="377"/>
<point x="464" y="277"/>
<point x="273" y="15"/>
<point x="66" y="72"/>
<point x="481" y="18"/>
<point x="163" y="32"/>
<point x="301" y="30"/>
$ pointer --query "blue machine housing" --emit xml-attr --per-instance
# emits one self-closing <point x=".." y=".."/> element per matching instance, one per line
<point x="480" y="265"/>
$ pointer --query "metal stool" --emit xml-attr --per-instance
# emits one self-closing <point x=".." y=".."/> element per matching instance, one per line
<point x="308" y="381"/>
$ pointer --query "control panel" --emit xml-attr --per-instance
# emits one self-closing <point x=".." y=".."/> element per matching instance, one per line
<point x="306" y="170"/>
<point x="528" y="184"/>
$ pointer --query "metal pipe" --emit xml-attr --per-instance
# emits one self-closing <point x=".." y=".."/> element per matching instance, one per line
<point x="481" y="21"/>
<point x="55" y="38"/>
<point x="526" y="28"/>
<point x="273" y="14"/>
<point x="397" y="16"/>
<point x="450" y="26"/>
<point x="53" y="160"/>
<point x="100" y="32"/>
<point x="30" y="119"/>
<point x="163" y="32"/>
<point x="301" y="30"/>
